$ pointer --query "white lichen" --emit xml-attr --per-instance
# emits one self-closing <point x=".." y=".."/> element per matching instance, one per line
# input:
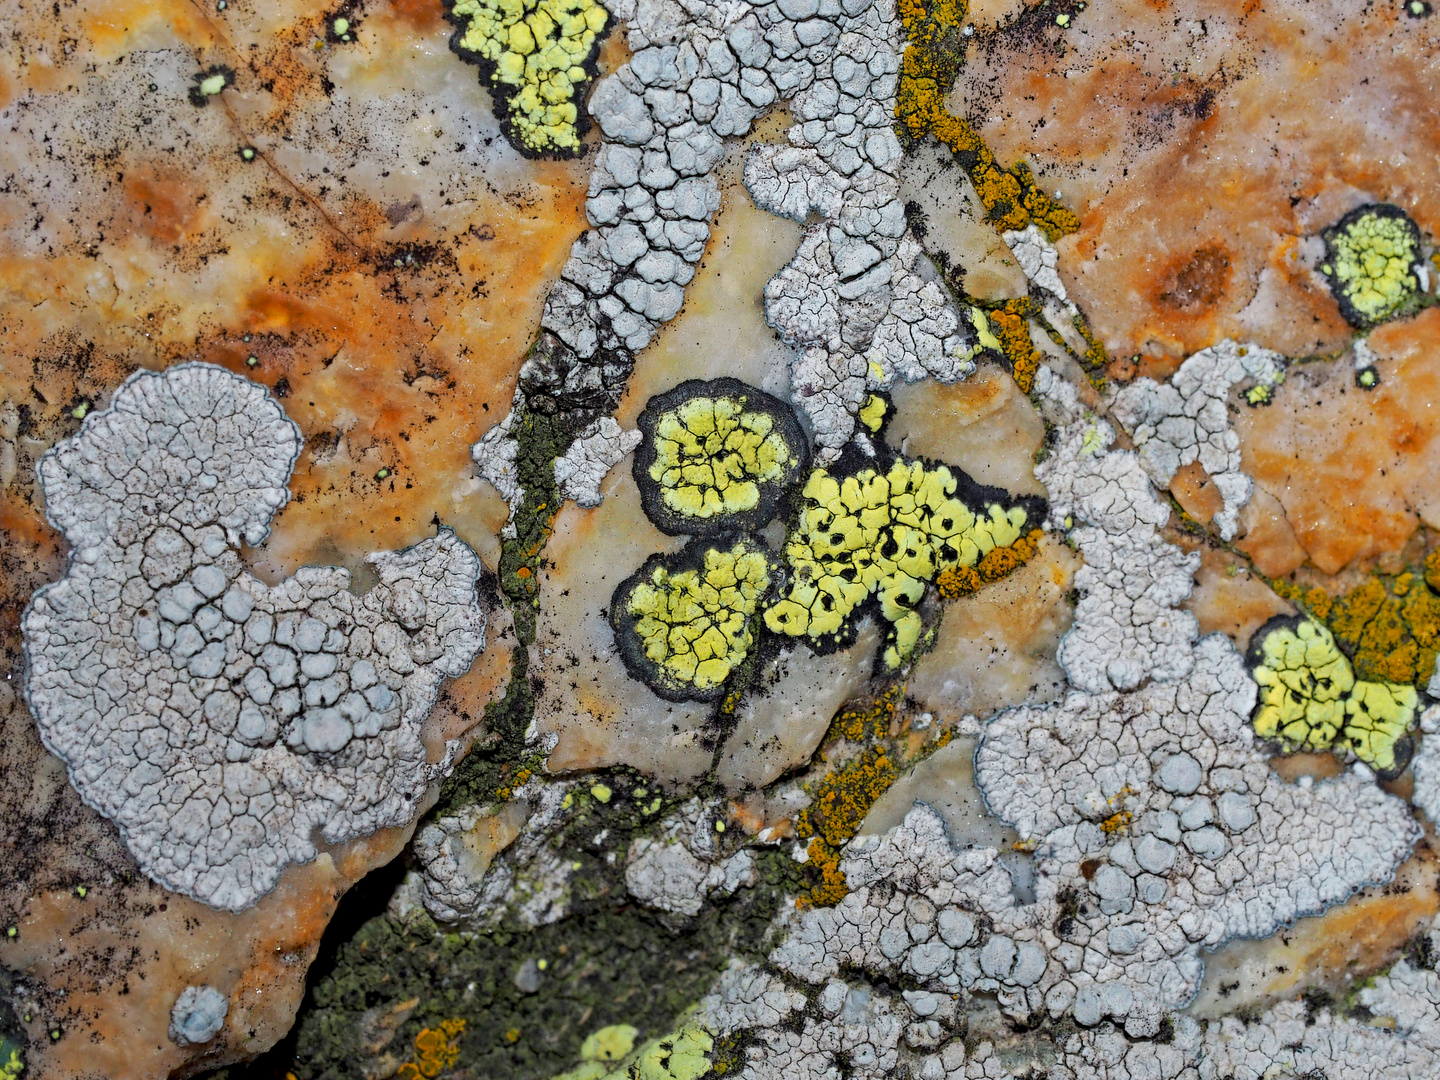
<point x="225" y="725"/>
<point x="198" y="1015"/>
<point x="580" y="471"/>
<point x="1187" y="419"/>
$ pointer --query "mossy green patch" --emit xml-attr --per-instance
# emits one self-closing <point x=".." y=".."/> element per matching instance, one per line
<point x="609" y="963"/>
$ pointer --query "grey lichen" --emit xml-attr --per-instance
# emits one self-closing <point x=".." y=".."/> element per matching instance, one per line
<point x="198" y="1015"/>
<point x="226" y="725"/>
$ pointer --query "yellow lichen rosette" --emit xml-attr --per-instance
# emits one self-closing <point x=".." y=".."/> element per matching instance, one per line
<point x="885" y="533"/>
<point x="717" y="456"/>
<point x="538" y="55"/>
<point x="1370" y="256"/>
<point x="683" y="623"/>
<point x="1310" y="699"/>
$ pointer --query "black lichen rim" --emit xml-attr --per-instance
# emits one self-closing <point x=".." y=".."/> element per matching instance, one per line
<point x="1404" y="747"/>
<point x="501" y="93"/>
<point x="772" y="493"/>
<point x="976" y="496"/>
<point x="690" y="557"/>
<point x="1354" y="317"/>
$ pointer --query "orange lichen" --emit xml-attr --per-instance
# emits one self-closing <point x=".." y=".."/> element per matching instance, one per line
<point x="993" y="565"/>
<point x="1008" y="324"/>
<point x="436" y="1049"/>
<point x="1117" y="822"/>
<point x="841" y="801"/>
<point x="932" y="59"/>
<point x="873" y="723"/>
<point x="1388" y="626"/>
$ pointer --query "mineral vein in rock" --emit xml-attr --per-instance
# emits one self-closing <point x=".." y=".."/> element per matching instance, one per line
<point x="221" y="723"/>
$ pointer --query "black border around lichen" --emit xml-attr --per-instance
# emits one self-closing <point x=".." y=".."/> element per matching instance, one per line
<point x="501" y="93"/>
<point x="690" y="557"/>
<point x="1337" y="288"/>
<point x="773" y="493"/>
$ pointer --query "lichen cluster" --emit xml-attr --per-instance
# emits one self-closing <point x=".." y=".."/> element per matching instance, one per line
<point x="681" y="1055"/>
<point x="882" y="533"/>
<point x="692" y="615"/>
<point x="717" y="454"/>
<point x="1370" y="255"/>
<point x="538" y="55"/>
<point x="932" y="58"/>
<point x="1310" y="699"/>
<point x="1389" y="626"/>
<point x="436" y="1049"/>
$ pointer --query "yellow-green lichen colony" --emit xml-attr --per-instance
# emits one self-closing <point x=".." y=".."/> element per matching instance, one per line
<point x="1370" y="258"/>
<point x="536" y="52"/>
<point x="1311" y="700"/>
<point x="712" y="455"/>
<point x="884" y="534"/>
<point x="695" y="625"/>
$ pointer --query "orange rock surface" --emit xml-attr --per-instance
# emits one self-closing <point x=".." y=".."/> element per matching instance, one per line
<point x="1204" y="146"/>
<point x="376" y="297"/>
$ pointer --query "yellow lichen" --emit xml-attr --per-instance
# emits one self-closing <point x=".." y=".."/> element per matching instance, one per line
<point x="681" y="1055"/>
<point x="883" y="535"/>
<point x="13" y="1065"/>
<point x="609" y="1043"/>
<point x="998" y="563"/>
<point x="436" y="1049"/>
<point x="694" y="626"/>
<point x="712" y="455"/>
<point x="1369" y="259"/>
<point x="872" y="413"/>
<point x="1389" y="626"/>
<point x="536" y="53"/>
<point x="1311" y="700"/>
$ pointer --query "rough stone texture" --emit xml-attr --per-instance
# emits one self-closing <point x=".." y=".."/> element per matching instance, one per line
<point x="1351" y="471"/>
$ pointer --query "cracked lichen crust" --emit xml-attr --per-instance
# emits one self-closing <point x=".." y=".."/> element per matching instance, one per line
<point x="598" y="448"/>
<point x="1187" y="419"/>
<point x="198" y="1015"/>
<point x="539" y="56"/>
<point x="225" y="725"/>
<point x="682" y="865"/>
<point x="717" y="456"/>
<point x="884" y="533"/>
<point x="1370" y="259"/>
<point x="1127" y="623"/>
<point x="683" y="622"/>
<point x="1311" y="700"/>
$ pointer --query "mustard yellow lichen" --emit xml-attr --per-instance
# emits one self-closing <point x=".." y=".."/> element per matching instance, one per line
<point x="695" y="625"/>
<point x="1370" y="257"/>
<point x="712" y="455"/>
<point x="1311" y="700"/>
<point x="536" y="52"/>
<point x="837" y="809"/>
<point x="885" y="535"/>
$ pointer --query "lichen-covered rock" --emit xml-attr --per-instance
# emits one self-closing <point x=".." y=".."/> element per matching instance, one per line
<point x="1187" y="419"/>
<point x="198" y="1015"/>
<point x="223" y="724"/>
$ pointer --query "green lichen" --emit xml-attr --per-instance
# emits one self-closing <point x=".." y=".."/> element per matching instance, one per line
<point x="538" y="56"/>
<point x="1370" y="257"/>
<point x="12" y="1062"/>
<point x="610" y="962"/>
<point x="1311" y="700"/>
